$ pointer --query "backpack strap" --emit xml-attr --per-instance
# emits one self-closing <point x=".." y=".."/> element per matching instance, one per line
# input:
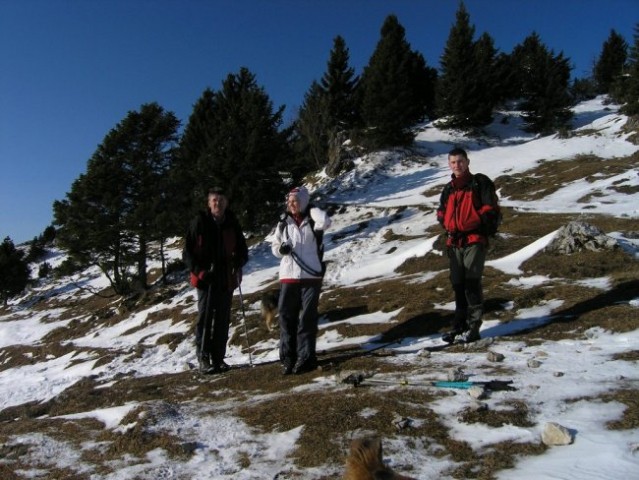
<point x="490" y="210"/>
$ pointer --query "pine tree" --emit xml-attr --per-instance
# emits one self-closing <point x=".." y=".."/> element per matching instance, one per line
<point x="313" y="127"/>
<point x="246" y="152"/>
<point x="329" y="109"/>
<point x="457" y="67"/>
<point x="544" y="79"/>
<point x="485" y="81"/>
<point x="14" y="271"/>
<point x="466" y="94"/>
<point x="611" y="62"/>
<point x="630" y="81"/>
<point x="505" y="77"/>
<point x="395" y="90"/>
<point x="187" y="190"/>
<point x="110" y="215"/>
<point x="90" y="218"/>
<point x="152" y="141"/>
<point x="338" y="85"/>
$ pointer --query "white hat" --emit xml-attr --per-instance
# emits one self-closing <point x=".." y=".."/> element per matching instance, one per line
<point x="302" y="195"/>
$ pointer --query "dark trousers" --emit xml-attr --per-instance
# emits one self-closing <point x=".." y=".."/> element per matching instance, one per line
<point x="214" y="315"/>
<point x="466" y="269"/>
<point x="298" y="322"/>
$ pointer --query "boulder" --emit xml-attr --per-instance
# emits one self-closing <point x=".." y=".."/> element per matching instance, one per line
<point x="578" y="236"/>
<point x="555" y="434"/>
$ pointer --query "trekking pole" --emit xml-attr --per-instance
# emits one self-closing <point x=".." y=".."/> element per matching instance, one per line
<point x="205" y="330"/>
<point x="248" y="344"/>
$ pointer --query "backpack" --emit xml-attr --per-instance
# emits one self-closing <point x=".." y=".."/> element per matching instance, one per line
<point x="479" y="183"/>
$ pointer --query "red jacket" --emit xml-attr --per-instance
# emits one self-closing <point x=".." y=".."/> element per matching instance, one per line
<point x="464" y="211"/>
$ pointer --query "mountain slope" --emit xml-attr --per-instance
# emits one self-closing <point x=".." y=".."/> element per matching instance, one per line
<point x="96" y="387"/>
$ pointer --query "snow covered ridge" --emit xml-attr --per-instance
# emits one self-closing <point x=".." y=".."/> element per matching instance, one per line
<point x="100" y="388"/>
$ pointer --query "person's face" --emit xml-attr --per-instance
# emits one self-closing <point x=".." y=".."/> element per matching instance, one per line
<point x="458" y="164"/>
<point x="217" y="204"/>
<point x="293" y="204"/>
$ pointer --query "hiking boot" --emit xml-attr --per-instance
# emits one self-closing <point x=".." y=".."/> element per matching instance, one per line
<point x="303" y="367"/>
<point x="469" y="336"/>
<point x="287" y="368"/>
<point x="449" y="337"/>
<point x="221" y="367"/>
<point x="205" y="363"/>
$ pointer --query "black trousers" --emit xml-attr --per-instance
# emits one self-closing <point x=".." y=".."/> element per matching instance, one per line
<point x="214" y="316"/>
<point x="298" y="322"/>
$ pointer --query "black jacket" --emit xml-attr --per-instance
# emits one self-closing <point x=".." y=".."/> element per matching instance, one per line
<point x="215" y="247"/>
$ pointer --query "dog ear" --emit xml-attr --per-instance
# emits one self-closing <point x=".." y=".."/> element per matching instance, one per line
<point x="368" y="450"/>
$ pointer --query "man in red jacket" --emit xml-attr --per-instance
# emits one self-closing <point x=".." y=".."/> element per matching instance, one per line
<point x="467" y="211"/>
<point x="214" y="252"/>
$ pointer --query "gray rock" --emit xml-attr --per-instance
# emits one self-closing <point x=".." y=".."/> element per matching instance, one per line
<point x="578" y="236"/>
<point x="495" y="357"/>
<point x="457" y="375"/>
<point x="532" y="363"/>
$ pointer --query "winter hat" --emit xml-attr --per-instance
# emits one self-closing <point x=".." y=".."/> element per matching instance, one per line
<point x="302" y="196"/>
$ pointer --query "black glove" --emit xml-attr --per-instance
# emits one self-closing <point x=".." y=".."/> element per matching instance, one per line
<point x="285" y="249"/>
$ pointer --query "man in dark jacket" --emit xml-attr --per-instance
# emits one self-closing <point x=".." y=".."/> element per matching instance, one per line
<point x="215" y="252"/>
<point x="467" y="210"/>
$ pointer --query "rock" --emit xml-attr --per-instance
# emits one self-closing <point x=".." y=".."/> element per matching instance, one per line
<point x="578" y="236"/>
<point x="495" y="357"/>
<point x="481" y="343"/>
<point x="477" y="392"/>
<point x="555" y="434"/>
<point x="532" y="363"/>
<point x="457" y="375"/>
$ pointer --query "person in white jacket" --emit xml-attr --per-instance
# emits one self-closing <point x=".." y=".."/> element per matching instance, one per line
<point x="298" y="243"/>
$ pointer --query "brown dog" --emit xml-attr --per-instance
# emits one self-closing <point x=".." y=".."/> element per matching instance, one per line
<point x="365" y="462"/>
<point x="269" y="308"/>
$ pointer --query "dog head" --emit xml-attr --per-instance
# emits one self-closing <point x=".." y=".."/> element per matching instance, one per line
<point x="365" y="462"/>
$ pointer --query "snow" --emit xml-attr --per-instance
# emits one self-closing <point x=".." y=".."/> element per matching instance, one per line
<point x="361" y="256"/>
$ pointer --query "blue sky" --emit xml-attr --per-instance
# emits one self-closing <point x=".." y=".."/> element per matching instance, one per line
<point x="70" y="70"/>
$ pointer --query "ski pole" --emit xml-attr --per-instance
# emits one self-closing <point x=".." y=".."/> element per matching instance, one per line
<point x="248" y="344"/>
<point x="205" y="330"/>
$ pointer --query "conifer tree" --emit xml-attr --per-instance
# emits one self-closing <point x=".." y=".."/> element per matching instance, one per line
<point x="544" y="79"/>
<point x="485" y="81"/>
<point x="110" y="215"/>
<point x="611" y="62"/>
<point x="14" y="271"/>
<point x="328" y="109"/>
<point x="187" y="190"/>
<point x="396" y="89"/>
<point x="630" y="81"/>
<point x="313" y="127"/>
<point x="338" y="85"/>
<point x="466" y="88"/>
<point x="246" y="152"/>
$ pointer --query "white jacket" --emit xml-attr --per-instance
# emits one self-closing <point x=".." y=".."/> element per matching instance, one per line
<point x="302" y="241"/>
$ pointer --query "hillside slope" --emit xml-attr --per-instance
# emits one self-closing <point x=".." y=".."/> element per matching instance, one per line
<point x="98" y="387"/>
